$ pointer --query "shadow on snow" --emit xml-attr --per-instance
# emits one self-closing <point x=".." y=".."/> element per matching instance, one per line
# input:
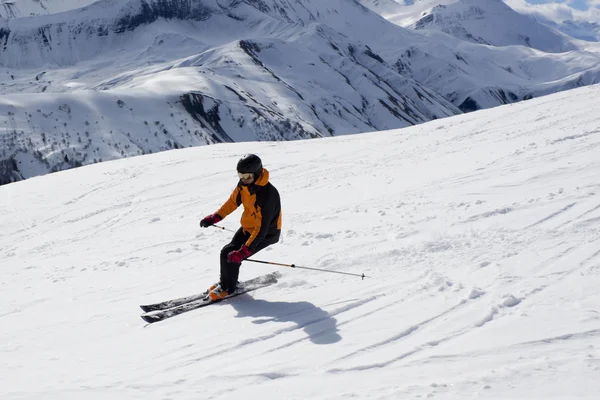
<point x="320" y="327"/>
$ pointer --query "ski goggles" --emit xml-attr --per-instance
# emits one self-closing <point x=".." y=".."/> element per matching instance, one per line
<point x="245" y="177"/>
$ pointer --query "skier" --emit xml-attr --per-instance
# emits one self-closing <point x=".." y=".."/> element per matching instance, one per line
<point x="261" y="222"/>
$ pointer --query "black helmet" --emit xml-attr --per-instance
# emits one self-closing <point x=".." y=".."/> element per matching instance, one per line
<point x="250" y="164"/>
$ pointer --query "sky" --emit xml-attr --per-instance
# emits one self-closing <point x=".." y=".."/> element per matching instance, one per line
<point x="478" y="233"/>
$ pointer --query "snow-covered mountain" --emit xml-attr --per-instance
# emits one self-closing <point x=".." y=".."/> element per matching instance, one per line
<point x="474" y="74"/>
<point x="489" y="22"/>
<point x="492" y="22"/>
<point x="25" y="8"/>
<point x="479" y="233"/>
<point x="583" y="30"/>
<point x="179" y="74"/>
<point x="118" y="78"/>
<point x="583" y="25"/>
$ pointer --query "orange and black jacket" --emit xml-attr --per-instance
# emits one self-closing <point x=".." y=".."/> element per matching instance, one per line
<point x="261" y="218"/>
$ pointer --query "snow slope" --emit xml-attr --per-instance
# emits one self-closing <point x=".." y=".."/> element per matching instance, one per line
<point x="480" y="234"/>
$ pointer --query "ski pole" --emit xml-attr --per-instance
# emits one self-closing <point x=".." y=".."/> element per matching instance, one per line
<point x="220" y="227"/>
<point x="363" y="276"/>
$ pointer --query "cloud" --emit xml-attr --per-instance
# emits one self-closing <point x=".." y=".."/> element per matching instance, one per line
<point x="559" y="11"/>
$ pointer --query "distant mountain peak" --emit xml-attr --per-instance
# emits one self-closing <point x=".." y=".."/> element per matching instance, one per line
<point x="492" y="22"/>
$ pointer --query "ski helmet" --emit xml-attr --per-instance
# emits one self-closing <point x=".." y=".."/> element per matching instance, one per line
<point x="250" y="164"/>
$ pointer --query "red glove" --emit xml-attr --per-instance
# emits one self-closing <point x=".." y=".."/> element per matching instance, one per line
<point x="237" y="256"/>
<point x="210" y="220"/>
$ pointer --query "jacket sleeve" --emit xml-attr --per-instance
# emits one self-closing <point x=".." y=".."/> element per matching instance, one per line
<point x="232" y="203"/>
<point x="265" y="213"/>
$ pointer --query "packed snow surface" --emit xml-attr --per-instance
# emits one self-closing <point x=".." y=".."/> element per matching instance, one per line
<point x="480" y="234"/>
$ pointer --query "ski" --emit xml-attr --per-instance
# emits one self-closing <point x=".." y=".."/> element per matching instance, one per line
<point x="173" y="302"/>
<point x="179" y="306"/>
<point x="188" y="299"/>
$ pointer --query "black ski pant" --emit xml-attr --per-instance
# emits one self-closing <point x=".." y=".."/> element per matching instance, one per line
<point x="231" y="271"/>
